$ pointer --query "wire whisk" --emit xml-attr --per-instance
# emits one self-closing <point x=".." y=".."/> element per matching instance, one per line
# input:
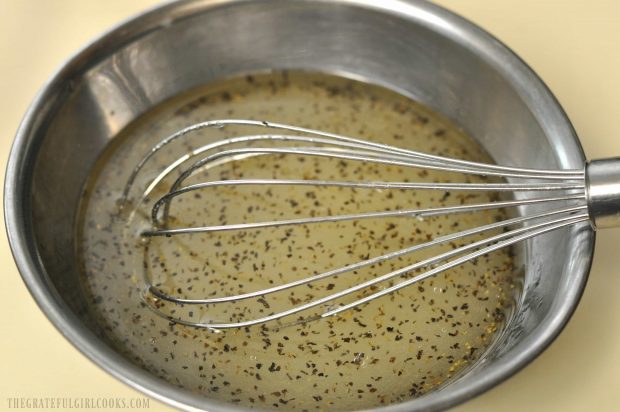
<point x="561" y="198"/>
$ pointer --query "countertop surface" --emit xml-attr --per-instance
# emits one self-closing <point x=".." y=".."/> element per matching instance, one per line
<point x="574" y="45"/>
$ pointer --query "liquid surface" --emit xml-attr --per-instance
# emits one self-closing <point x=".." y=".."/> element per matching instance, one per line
<point x="392" y="349"/>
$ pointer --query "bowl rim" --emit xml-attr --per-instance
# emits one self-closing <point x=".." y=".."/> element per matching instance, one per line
<point x="23" y="248"/>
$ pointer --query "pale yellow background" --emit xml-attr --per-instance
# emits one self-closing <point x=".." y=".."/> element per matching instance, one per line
<point x="574" y="45"/>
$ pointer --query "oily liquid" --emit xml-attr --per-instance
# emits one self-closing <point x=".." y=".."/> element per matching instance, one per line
<point x="392" y="349"/>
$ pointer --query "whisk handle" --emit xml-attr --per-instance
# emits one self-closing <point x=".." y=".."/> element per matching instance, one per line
<point x="603" y="192"/>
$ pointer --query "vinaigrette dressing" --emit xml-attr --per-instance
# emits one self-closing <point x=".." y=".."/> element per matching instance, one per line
<point x="392" y="349"/>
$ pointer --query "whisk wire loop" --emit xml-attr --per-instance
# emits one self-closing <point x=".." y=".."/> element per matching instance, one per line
<point x="565" y="188"/>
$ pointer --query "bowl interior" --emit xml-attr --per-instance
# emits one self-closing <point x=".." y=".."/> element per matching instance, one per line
<point x="415" y="48"/>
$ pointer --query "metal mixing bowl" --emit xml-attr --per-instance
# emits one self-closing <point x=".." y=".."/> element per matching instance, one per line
<point x="411" y="46"/>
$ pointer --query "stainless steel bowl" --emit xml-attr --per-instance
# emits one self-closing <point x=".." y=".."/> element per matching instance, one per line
<point x="411" y="46"/>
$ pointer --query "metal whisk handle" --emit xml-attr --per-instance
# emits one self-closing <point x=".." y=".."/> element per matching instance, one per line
<point x="603" y="192"/>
